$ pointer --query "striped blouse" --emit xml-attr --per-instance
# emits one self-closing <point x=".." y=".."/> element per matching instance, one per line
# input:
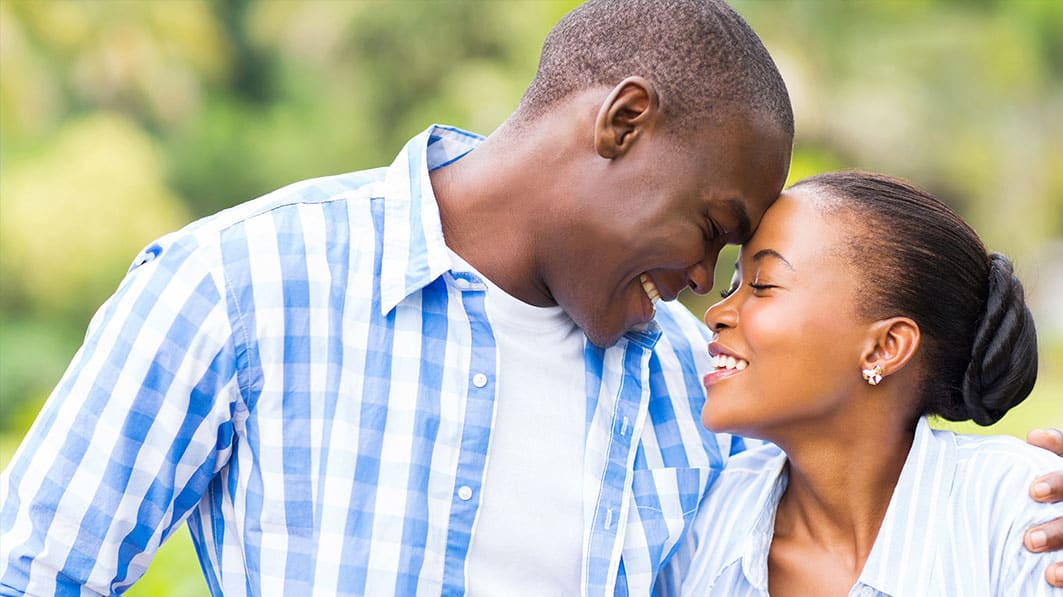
<point x="954" y="526"/>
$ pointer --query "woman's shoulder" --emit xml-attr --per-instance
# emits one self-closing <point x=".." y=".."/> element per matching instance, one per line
<point x="999" y="456"/>
<point x="990" y="509"/>
<point x="997" y="470"/>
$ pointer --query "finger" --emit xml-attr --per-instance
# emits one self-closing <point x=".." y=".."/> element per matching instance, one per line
<point x="1045" y="537"/>
<point x="1048" y="488"/>
<point x="1049" y="439"/>
<point x="1054" y="574"/>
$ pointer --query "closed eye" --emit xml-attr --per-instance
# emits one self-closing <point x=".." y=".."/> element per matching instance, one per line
<point x="760" y="287"/>
<point x="736" y="282"/>
<point x="711" y="233"/>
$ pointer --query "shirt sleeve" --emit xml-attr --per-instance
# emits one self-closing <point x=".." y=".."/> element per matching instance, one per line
<point x="130" y="439"/>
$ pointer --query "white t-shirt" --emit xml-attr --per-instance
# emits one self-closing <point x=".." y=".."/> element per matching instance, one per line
<point x="528" y="537"/>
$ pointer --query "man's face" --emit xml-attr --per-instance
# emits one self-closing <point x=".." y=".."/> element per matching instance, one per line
<point x="658" y="217"/>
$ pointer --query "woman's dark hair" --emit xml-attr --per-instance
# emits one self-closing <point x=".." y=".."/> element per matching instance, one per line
<point x="921" y="260"/>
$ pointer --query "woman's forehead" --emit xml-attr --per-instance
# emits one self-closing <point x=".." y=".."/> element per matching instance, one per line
<point x="798" y="227"/>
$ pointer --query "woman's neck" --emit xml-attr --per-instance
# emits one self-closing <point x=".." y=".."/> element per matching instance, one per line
<point x="840" y="485"/>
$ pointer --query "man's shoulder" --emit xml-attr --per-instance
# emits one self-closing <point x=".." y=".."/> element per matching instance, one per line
<point x="281" y="222"/>
<point x="362" y="184"/>
<point x="275" y="214"/>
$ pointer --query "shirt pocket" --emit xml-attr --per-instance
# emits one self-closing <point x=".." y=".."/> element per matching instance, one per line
<point x="665" y="501"/>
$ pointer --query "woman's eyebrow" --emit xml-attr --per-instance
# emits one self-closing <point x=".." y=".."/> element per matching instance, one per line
<point x="772" y="253"/>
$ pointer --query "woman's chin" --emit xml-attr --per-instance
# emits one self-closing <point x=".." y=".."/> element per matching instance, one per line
<point x="717" y="422"/>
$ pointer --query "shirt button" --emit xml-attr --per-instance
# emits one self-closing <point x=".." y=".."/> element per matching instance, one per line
<point x="465" y="493"/>
<point x="479" y="380"/>
<point x="461" y="283"/>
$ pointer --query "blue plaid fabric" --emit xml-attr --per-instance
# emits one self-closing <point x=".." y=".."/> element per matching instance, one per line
<point x="304" y="380"/>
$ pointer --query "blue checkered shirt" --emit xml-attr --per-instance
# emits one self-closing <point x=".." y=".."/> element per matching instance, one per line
<point x="304" y="380"/>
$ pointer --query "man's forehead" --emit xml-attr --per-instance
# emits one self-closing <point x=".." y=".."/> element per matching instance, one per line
<point x="740" y="212"/>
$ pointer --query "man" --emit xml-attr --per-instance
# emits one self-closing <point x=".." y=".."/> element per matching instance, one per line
<point x="447" y="376"/>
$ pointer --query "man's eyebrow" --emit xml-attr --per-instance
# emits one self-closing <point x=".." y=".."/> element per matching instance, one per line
<point x="739" y="210"/>
<point x="771" y="253"/>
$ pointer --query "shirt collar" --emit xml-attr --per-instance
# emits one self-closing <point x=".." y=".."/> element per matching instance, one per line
<point x="915" y="519"/>
<point x="645" y="335"/>
<point x="759" y="524"/>
<point x="414" y="253"/>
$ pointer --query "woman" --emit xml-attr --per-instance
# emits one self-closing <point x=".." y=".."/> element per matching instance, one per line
<point x="861" y="306"/>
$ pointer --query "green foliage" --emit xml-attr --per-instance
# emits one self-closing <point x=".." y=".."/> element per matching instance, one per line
<point x="95" y="193"/>
<point x="120" y="121"/>
<point x="174" y="571"/>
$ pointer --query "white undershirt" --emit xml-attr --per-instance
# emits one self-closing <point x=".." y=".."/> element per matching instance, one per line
<point x="528" y="537"/>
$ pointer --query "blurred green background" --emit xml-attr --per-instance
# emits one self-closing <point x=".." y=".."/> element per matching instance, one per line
<point x="123" y="120"/>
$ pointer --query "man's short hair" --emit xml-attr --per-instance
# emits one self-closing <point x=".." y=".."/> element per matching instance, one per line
<point x="701" y="55"/>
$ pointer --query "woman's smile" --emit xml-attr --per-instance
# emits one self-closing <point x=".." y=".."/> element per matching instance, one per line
<point x="725" y="364"/>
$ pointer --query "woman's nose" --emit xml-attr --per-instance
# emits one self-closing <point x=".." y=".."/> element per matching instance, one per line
<point x="722" y="315"/>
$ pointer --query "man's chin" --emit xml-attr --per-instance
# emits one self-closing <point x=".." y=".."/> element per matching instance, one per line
<point x="599" y="330"/>
<point x="601" y="338"/>
<point x="604" y="343"/>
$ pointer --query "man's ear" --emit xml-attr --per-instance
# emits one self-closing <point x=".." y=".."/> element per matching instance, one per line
<point x="625" y="114"/>
<point x="892" y="343"/>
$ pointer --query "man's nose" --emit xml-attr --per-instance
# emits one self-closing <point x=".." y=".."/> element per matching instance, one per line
<point x="700" y="277"/>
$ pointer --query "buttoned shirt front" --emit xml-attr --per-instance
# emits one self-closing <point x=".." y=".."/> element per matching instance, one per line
<point x="954" y="525"/>
<point x="307" y="382"/>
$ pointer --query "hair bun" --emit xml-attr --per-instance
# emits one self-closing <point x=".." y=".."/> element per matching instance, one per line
<point x="1003" y="364"/>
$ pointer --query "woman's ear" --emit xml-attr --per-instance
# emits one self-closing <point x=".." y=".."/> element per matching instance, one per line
<point x="892" y="344"/>
<point x="629" y="109"/>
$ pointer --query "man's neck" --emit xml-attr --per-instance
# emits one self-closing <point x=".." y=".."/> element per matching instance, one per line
<point x="493" y="204"/>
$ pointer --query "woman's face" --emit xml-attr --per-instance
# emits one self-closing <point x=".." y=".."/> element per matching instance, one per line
<point x="789" y="340"/>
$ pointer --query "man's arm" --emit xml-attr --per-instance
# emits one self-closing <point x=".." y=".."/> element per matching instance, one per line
<point x="1048" y="488"/>
<point x="128" y="441"/>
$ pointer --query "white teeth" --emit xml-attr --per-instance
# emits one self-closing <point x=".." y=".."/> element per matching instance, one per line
<point x="650" y="288"/>
<point x="725" y="361"/>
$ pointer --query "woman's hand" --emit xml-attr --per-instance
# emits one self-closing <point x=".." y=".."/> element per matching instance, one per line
<point x="1048" y="488"/>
